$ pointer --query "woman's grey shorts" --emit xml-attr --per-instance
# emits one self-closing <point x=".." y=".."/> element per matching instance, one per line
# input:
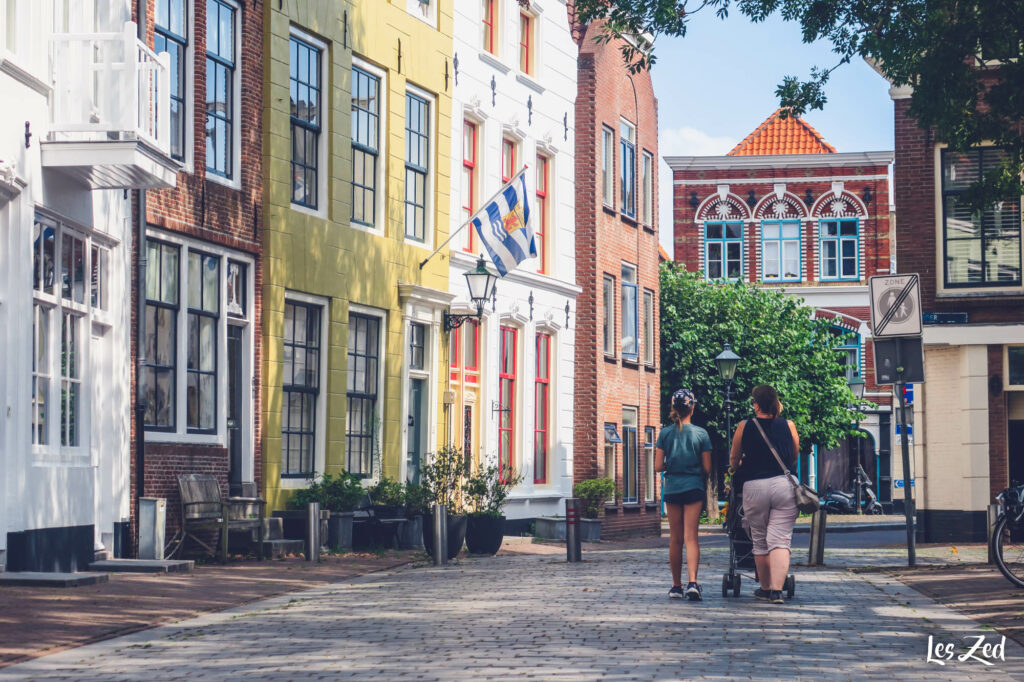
<point x="769" y="512"/>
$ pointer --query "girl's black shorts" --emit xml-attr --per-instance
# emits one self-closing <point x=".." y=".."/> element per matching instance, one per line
<point x="685" y="497"/>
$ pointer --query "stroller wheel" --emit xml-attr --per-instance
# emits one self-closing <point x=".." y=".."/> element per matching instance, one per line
<point x="736" y="585"/>
<point x="790" y="586"/>
<point x="726" y="584"/>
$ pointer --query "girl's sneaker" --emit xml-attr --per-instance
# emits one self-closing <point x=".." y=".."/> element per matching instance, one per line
<point x="763" y="595"/>
<point x="776" y="597"/>
<point x="676" y="592"/>
<point x="693" y="592"/>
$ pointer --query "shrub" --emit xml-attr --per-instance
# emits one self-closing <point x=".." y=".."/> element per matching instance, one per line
<point x="387" y="492"/>
<point x="594" y="492"/>
<point x="443" y="478"/>
<point x="341" y="493"/>
<point x="417" y="500"/>
<point x="488" y="491"/>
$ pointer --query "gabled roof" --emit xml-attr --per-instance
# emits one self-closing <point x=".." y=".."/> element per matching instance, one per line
<point x="663" y="254"/>
<point x="777" y="135"/>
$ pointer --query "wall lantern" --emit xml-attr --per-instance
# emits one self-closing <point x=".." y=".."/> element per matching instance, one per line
<point x="481" y="284"/>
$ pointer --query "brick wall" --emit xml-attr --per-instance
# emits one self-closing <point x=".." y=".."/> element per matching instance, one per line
<point x="605" y="239"/>
<point x="207" y="210"/>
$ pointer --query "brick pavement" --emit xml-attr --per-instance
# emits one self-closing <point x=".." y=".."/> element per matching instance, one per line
<point x="536" y="616"/>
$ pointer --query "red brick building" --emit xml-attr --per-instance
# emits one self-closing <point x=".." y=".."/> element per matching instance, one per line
<point x="785" y="209"/>
<point x="202" y="282"/>
<point x="969" y="413"/>
<point x="617" y="371"/>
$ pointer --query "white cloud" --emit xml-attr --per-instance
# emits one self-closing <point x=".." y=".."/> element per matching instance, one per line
<point x="685" y="141"/>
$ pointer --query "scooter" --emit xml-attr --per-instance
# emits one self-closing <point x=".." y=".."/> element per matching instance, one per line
<point x="838" y="502"/>
<point x="871" y="506"/>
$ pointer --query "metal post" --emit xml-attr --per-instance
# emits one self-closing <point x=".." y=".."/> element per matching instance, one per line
<point x="993" y="516"/>
<point x="908" y="502"/>
<point x="440" y="534"/>
<point x="819" y="521"/>
<point x="313" y="531"/>
<point x="573" y="548"/>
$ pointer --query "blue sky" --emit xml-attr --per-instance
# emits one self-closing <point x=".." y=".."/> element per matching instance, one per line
<point x="717" y="84"/>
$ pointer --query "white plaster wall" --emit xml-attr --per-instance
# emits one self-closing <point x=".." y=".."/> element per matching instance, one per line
<point x="552" y="90"/>
<point x="35" y="495"/>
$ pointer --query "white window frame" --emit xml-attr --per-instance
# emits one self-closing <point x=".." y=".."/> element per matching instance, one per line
<point x="320" y="432"/>
<point x="431" y="355"/>
<point x="647" y="327"/>
<point x="188" y="129"/>
<point x="381" y="395"/>
<point x="646" y="188"/>
<point x="233" y="181"/>
<point x="608" y="314"/>
<point x="379" y="222"/>
<point x="650" y="478"/>
<point x="626" y="210"/>
<point x="323" y="165"/>
<point x="608" y="167"/>
<point x="432" y="156"/>
<point x="180" y="434"/>
<point x="634" y="471"/>
<point x="635" y="354"/>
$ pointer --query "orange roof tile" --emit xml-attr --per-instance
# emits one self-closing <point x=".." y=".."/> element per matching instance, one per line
<point x="663" y="254"/>
<point x="791" y="135"/>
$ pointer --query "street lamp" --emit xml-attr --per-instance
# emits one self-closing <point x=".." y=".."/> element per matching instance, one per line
<point x="481" y="284"/>
<point x="856" y="385"/>
<point x="726" y="361"/>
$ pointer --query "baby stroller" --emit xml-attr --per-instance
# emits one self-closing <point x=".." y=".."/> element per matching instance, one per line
<point x="741" y="548"/>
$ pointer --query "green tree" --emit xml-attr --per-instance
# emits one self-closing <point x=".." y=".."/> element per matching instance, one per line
<point x="780" y="342"/>
<point x="964" y="60"/>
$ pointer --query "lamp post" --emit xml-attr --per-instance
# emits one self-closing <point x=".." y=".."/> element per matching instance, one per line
<point x="726" y="361"/>
<point x="856" y="385"/>
<point x="481" y="283"/>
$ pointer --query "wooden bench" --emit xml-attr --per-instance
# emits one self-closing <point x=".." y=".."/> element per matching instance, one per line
<point x="202" y="508"/>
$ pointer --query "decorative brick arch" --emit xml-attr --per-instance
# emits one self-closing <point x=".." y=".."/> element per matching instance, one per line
<point x="780" y="206"/>
<point x="842" y="320"/>
<point x="719" y="206"/>
<point x="842" y="204"/>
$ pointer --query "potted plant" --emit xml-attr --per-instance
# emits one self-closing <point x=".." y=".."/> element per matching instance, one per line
<point x="443" y="478"/>
<point x="410" y="534"/>
<point x="387" y="499"/>
<point x="488" y="493"/>
<point x="593" y="492"/>
<point x="338" y="495"/>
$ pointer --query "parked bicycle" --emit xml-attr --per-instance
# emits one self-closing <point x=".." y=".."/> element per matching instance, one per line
<point x="1007" y="541"/>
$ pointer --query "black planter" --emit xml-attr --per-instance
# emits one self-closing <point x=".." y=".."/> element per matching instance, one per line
<point x="388" y="511"/>
<point x="484" y="534"/>
<point x="372" y="534"/>
<point x="456" y="534"/>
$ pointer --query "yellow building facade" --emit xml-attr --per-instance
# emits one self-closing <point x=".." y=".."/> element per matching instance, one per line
<point x="356" y="151"/>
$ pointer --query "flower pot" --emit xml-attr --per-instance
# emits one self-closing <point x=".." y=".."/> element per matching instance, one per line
<point x="590" y="530"/>
<point x="456" y="534"/>
<point x="388" y="511"/>
<point x="410" y="533"/>
<point x="374" y="534"/>
<point x="553" y="528"/>
<point x="484" y="534"/>
<point x="339" y="530"/>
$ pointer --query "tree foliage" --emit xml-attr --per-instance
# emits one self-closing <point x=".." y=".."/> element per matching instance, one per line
<point x="964" y="60"/>
<point x="780" y="342"/>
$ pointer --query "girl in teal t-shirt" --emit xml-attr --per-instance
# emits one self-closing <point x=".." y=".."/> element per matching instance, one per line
<point x="684" y="454"/>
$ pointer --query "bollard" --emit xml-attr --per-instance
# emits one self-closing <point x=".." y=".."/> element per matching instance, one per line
<point x="573" y="549"/>
<point x="313" y="531"/>
<point x="819" y="521"/>
<point x="993" y="516"/>
<point x="440" y="534"/>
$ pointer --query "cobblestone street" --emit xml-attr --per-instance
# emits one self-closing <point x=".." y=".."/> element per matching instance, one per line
<point x="535" y="616"/>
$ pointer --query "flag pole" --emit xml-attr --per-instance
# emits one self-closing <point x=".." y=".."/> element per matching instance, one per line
<point x="463" y="225"/>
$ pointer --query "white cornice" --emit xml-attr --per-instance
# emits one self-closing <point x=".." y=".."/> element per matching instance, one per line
<point x="698" y="163"/>
<point x="424" y="295"/>
<point x="463" y="261"/>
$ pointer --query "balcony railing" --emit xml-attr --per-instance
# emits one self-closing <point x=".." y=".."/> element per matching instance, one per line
<point x="110" y="86"/>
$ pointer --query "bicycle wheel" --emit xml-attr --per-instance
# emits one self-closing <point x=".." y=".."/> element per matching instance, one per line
<point x="1008" y="552"/>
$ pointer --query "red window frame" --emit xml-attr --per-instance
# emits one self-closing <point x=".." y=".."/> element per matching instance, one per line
<point x="507" y="401"/>
<point x="453" y="354"/>
<point x="508" y="159"/>
<point x="488" y="21"/>
<point x="542" y="408"/>
<point x="525" y="38"/>
<point x="475" y="326"/>
<point x="542" y="209"/>
<point x="469" y="166"/>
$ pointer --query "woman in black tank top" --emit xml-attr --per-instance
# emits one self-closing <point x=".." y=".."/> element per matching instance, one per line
<point x="769" y="506"/>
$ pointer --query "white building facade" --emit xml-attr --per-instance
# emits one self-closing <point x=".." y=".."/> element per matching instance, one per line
<point x="86" y="123"/>
<point x="511" y="375"/>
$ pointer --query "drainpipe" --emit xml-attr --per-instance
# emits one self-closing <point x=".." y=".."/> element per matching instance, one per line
<point x="140" y="320"/>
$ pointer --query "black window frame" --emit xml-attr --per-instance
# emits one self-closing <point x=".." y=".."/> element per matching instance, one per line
<point x="165" y="39"/>
<point x="417" y="172"/>
<point x="947" y="193"/>
<point x="306" y="392"/>
<point x="195" y="313"/>
<point x="307" y="126"/>
<point x="151" y="368"/>
<point x="366" y="399"/>
<point x="359" y="77"/>
<point x="215" y="63"/>
<point x="417" y="343"/>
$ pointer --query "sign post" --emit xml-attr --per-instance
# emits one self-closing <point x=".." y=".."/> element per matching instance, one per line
<point x="896" y="312"/>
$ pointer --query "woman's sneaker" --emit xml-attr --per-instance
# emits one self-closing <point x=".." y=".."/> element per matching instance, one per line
<point x="676" y="592"/>
<point x="763" y="595"/>
<point x="693" y="592"/>
<point x="776" y="597"/>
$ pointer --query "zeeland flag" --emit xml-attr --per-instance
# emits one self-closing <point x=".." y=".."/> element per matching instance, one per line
<point x="504" y="226"/>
